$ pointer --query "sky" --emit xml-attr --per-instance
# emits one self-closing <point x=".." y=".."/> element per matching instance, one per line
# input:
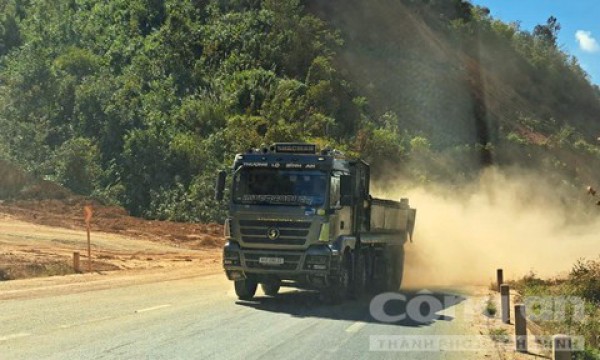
<point x="579" y="19"/>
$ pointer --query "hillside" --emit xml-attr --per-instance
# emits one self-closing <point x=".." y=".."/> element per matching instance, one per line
<point x="453" y="74"/>
<point x="138" y="104"/>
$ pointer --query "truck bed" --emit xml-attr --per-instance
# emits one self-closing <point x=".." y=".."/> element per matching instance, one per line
<point x="390" y="221"/>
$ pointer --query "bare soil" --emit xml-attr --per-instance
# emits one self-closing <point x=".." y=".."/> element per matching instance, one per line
<point x="38" y="238"/>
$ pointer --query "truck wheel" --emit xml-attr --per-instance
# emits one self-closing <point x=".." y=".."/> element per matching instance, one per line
<point x="360" y="277"/>
<point x="396" y="270"/>
<point x="341" y="288"/>
<point x="381" y="270"/>
<point x="400" y="268"/>
<point x="245" y="289"/>
<point x="271" y="288"/>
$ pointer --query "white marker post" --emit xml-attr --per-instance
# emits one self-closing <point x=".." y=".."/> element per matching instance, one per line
<point x="505" y="303"/>
<point x="520" y="328"/>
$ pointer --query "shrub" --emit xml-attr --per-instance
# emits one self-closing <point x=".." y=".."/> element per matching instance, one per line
<point x="76" y="165"/>
<point x="585" y="280"/>
<point x="490" y="307"/>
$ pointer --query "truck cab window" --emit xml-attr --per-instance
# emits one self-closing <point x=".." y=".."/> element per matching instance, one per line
<point x="280" y="187"/>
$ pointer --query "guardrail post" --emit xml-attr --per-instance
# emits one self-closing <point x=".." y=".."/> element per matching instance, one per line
<point x="499" y="278"/>
<point x="520" y="328"/>
<point x="561" y="347"/>
<point x="76" y="264"/>
<point x="505" y="303"/>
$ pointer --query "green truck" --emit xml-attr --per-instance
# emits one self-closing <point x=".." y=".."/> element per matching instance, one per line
<point x="305" y="218"/>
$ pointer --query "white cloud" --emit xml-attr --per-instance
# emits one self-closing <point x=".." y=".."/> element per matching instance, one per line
<point x="586" y="41"/>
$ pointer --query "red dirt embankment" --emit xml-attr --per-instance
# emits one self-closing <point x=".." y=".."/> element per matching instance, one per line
<point x="42" y="224"/>
<point x="46" y="203"/>
<point x="38" y="238"/>
<point x="68" y="213"/>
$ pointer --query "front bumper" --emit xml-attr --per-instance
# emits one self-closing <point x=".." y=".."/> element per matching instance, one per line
<point x="298" y="265"/>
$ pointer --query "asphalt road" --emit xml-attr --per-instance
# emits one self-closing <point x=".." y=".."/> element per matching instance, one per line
<point x="200" y="318"/>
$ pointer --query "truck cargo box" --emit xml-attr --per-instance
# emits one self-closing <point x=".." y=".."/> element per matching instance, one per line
<point x="389" y="216"/>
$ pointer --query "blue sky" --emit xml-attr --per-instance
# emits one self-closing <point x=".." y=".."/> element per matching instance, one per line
<point x="579" y="20"/>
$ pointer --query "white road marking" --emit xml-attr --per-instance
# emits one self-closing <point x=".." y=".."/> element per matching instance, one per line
<point x="85" y="322"/>
<point x="153" y="308"/>
<point x="14" y="336"/>
<point x="355" y="327"/>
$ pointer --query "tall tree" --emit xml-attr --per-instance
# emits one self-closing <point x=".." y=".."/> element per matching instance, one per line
<point x="548" y="32"/>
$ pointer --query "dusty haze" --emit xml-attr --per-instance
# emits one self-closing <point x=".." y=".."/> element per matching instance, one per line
<point x="508" y="219"/>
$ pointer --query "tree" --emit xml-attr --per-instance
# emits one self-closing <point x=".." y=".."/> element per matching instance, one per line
<point x="76" y="165"/>
<point x="10" y="34"/>
<point x="548" y="32"/>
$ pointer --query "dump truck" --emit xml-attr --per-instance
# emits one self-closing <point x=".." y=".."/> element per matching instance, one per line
<point x="305" y="218"/>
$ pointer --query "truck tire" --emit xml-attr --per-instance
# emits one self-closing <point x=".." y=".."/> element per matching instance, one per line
<point x="271" y="288"/>
<point x="340" y="289"/>
<point x="395" y="270"/>
<point x="399" y="268"/>
<point x="359" y="283"/>
<point x="245" y="289"/>
<point x="380" y="273"/>
<point x="388" y="270"/>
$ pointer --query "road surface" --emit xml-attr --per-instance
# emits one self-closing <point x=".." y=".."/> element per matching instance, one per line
<point x="199" y="317"/>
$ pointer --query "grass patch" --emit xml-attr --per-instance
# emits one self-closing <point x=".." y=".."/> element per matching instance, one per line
<point x="499" y="335"/>
<point x="490" y="307"/>
<point x="583" y="286"/>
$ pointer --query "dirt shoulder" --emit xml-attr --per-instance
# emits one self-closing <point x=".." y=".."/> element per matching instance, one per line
<point x="99" y="280"/>
<point x="38" y="239"/>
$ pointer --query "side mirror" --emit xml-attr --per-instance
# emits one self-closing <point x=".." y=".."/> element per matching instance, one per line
<point x="220" y="185"/>
<point x="346" y="193"/>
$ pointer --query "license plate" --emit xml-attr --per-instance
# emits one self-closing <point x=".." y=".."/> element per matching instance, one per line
<point x="270" y="261"/>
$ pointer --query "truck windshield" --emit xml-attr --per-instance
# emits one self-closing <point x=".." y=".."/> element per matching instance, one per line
<point x="282" y="187"/>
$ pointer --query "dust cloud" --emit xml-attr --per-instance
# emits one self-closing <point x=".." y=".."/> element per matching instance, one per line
<point x="513" y="220"/>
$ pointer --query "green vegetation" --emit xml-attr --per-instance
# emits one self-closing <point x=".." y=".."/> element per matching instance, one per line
<point x="490" y="307"/>
<point x="499" y="335"/>
<point x="138" y="103"/>
<point x="583" y="283"/>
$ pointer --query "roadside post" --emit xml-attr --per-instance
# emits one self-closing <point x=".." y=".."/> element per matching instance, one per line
<point x="88" y="211"/>
<point x="499" y="278"/>
<point x="505" y="303"/>
<point x="561" y="347"/>
<point x="76" y="264"/>
<point x="520" y="328"/>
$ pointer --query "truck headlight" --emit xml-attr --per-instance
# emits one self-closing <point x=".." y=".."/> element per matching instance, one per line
<point x="316" y="262"/>
<point x="316" y="259"/>
<point x="324" y="234"/>
<point x="231" y="258"/>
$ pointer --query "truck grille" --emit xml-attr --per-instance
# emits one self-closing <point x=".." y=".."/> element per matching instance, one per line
<point x="290" y="262"/>
<point x="290" y="232"/>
